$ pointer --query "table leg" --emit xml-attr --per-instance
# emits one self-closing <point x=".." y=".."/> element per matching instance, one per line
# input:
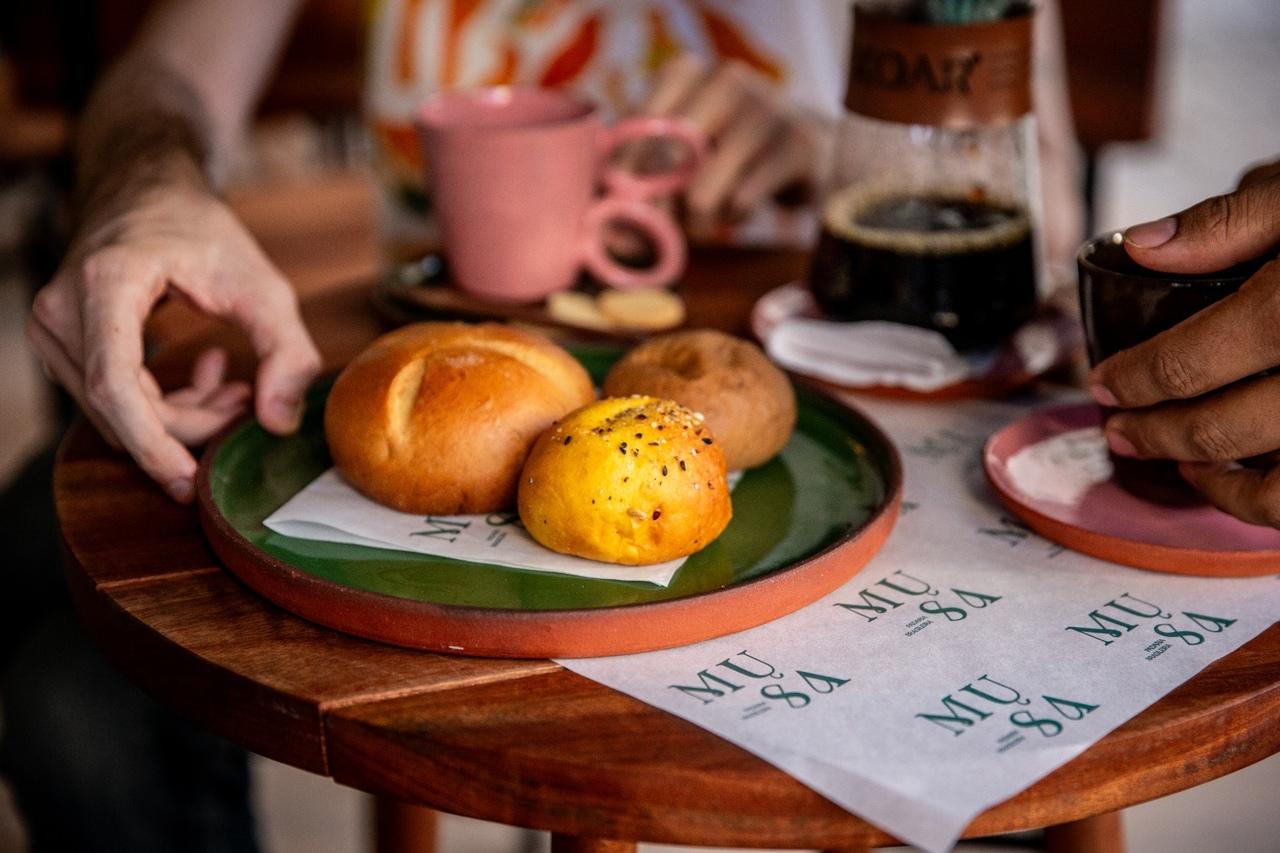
<point x="578" y="844"/>
<point x="400" y="827"/>
<point x="1102" y="833"/>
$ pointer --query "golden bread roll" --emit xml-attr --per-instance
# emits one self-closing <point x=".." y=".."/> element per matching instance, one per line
<point x="437" y="418"/>
<point x="633" y="480"/>
<point x="747" y="401"/>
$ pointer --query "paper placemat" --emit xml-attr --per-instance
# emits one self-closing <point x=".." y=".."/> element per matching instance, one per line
<point x="969" y="659"/>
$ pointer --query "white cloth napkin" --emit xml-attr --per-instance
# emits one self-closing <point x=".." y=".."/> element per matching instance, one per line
<point x="871" y="353"/>
<point x="329" y="510"/>
<point x="874" y="353"/>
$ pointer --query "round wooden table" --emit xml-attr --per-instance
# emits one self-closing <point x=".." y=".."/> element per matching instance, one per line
<point x="525" y="742"/>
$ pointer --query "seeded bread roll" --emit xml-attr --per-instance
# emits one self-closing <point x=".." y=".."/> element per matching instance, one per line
<point x="747" y="401"/>
<point x="634" y="481"/>
<point x="437" y="418"/>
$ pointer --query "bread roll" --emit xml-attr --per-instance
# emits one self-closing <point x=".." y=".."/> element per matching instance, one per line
<point x="437" y="418"/>
<point x="633" y="481"/>
<point x="747" y="401"/>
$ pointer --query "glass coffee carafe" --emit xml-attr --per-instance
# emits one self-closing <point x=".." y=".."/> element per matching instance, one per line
<point x="927" y="214"/>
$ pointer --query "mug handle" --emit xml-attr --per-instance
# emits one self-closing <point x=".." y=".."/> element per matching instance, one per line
<point x="649" y="220"/>
<point x="626" y="182"/>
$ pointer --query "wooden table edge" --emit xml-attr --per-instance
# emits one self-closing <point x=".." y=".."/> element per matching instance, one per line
<point x="131" y="645"/>
<point x="1042" y="804"/>
<point x="1222" y="761"/>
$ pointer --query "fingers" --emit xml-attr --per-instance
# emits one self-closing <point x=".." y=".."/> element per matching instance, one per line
<point x="87" y="327"/>
<point x="1225" y="342"/>
<point x="231" y="397"/>
<point x="1235" y="423"/>
<point x="221" y="398"/>
<point x="675" y="83"/>
<point x="288" y="360"/>
<point x="784" y="161"/>
<point x="195" y="413"/>
<point x="195" y="425"/>
<point x="757" y="150"/>
<point x="56" y="309"/>
<point x="67" y="374"/>
<point x="191" y="415"/>
<point x="1250" y="495"/>
<point x="117" y="295"/>
<point x="208" y="371"/>
<point x="756" y="123"/>
<point x="716" y="103"/>
<point x="1214" y="234"/>
<point x="206" y="377"/>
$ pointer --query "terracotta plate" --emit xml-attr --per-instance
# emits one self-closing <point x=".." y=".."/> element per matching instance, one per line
<point x="1008" y="371"/>
<point x="1111" y="524"/>
<point x="803" y="524"/>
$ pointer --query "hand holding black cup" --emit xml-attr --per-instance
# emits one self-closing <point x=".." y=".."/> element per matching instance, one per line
<point x="1200" y="392"/>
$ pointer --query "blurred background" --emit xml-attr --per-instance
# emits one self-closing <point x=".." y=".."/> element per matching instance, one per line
<point x="1171" y="98"/>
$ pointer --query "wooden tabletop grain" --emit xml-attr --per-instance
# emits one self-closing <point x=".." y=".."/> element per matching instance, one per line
<point x="522" y="742"/>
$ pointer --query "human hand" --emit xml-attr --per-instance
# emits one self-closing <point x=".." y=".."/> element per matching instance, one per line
<point x="87" y="326"/>
<point x="1194" y="393"/>
<point x="758" y="145"/>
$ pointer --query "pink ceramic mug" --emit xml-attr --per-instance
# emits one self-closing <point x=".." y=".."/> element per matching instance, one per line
<point x="514" y="173"/>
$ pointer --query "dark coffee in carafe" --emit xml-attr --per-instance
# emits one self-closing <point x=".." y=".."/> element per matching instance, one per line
<point x="963" y="267"/>
<point x="926" y="210"/>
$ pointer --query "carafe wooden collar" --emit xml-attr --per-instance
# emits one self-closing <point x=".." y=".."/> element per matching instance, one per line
<point x="950" y="75"/>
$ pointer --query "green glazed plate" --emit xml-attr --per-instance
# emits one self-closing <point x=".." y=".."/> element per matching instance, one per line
<point x="802" y="524"/>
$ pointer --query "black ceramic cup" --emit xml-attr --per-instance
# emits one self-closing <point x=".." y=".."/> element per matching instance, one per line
<point x="1123" y="304"/>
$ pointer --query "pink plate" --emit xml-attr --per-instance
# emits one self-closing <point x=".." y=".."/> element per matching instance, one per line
<point x="1111" y="524"/>
<point x="1007" y="373"/>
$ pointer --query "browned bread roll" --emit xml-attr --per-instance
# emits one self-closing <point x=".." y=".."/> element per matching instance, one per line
<point x="437" y="418"/>
<point x="748" y="402"/>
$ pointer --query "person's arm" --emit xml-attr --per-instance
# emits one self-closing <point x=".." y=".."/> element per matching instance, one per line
<point x="1206" y="391"/>
<point x="762" y="144"/>
<point x="184" y="89"/>
<point x="154" y="140"/>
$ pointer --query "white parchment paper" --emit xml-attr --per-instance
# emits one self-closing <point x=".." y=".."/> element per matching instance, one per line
<point x="969" y="659"/>
<point x="329" y="510"/>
